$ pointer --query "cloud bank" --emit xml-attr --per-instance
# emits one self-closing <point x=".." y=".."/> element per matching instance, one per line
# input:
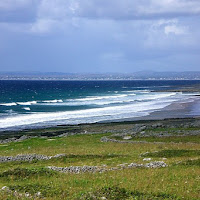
<point x="111" y="35"/>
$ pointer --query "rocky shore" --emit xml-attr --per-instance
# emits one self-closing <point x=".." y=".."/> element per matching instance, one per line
<point x="157" y="128"/>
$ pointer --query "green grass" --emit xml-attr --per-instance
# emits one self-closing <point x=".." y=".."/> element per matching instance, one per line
<point x="46" y="190"/>
<point x="173" y="131"/>
<point x="195" y="162"/>
<point x="117" y="193"/>
<point x="24" y="173"/>
<point x="173" y="153"/>
<point x="178" y="181"/>
<point x="168" y="139"/>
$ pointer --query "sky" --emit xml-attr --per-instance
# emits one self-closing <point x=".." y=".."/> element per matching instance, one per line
<point x="99" y="36"/>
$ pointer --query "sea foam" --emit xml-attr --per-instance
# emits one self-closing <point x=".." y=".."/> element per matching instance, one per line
<point x="85" y="116"/>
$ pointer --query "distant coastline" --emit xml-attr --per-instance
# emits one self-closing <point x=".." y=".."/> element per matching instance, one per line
<point x="142" y="75"/>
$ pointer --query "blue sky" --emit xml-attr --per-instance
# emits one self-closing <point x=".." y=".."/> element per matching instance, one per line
<point x="99" y="35"/>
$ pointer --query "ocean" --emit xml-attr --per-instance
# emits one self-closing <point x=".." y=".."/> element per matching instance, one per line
<point x="32" y="104"/>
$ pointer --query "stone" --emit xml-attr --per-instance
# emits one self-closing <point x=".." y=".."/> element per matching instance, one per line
<point x="156" y="164"/>
<point x="146" y="159"/>
<point x="135" y="165"/>
<point x="27" y="194"/>
<point x="38" y="194"/>
<point x="74" y="169"/>
<point x="196" y="123"/>
<point x="139" y="127"/>
<point x="127" y="138"/>
<point x="5" y="188"/>
<point x="157" y="125"/>
<point x="94" y="169"/>
<point x="28" y="157"/>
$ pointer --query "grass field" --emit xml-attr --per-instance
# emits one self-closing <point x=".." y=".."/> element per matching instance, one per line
<point x="180" y="180"/>
<point x="168" y="139"/>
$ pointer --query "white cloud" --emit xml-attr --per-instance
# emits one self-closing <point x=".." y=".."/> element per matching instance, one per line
<point x="164" y="34"/>
<point x="170" y="26"/>
<point x="164" y="22"/>
<point x="136" y="9"/>
<point x="177" y="30"/>
<point x="14" y="4"/>
<point x="42" y="26"/>
<point x="50" y="14"/>
<point x="104" y="9"/>
<point x="53" y="15"/>
<point x="170" y="8"/>
<point x="53" y="9"/>
<point x="62" y="10"/>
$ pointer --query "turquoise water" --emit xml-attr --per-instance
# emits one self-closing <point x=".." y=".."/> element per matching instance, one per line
<point x="26" y="104"/>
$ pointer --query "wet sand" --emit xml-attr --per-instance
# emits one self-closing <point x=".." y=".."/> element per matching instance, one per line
<point x="175" y="110"/>
<point x="180" y="109"/>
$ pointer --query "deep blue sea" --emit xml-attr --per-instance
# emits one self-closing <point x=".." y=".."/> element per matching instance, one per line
<point x="28" y="104"/>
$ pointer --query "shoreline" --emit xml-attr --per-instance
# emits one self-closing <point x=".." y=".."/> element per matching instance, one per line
<point x="175" y="111"/>
<point x="123" y="127"/>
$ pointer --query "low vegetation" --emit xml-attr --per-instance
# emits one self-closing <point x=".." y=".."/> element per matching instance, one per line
<point x="116" y="193"/>
<point x="32" y="180"/>
<point x="173" y="153"/>
<point x="195" y="162"/>
<point x="24" y="173"/>
<point x="166" y="139"/>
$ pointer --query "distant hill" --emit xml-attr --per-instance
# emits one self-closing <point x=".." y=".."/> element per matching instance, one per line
<point x="142" y="75"/>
